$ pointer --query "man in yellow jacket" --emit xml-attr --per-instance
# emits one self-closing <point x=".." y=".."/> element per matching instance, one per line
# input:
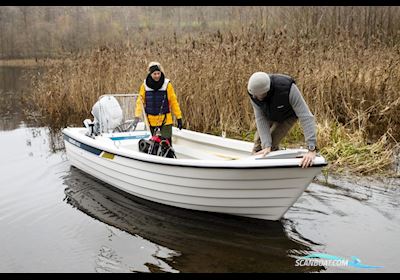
<point x="159" y="102"/>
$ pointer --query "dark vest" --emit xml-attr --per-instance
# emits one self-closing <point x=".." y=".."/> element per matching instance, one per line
<point x="157" y="100"/>
<point x="276" y="105"/>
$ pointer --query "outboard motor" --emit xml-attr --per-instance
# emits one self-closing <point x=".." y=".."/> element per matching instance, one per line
<point x="157" y="145"/>
<point x="90" y="130"/>
<point x="107" y="114"/>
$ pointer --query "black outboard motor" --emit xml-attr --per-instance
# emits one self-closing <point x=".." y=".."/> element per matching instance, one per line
<point x="157" y="145"/>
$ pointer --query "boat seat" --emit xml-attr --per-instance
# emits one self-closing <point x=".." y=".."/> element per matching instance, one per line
<point x="197" y="154"/>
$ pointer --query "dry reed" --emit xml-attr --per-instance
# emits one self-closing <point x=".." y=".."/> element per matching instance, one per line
<point x="346" y="84"/>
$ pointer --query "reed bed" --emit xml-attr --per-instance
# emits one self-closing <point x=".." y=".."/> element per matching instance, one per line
<point x="23" y="62"/>
<point x="352" y="89"/>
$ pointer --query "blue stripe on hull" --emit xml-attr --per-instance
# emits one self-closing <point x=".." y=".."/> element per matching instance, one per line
<point x="82" y="146"/>
<point x="129" y="137"/>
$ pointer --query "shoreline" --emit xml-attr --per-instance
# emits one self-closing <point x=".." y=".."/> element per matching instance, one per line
<point x="349" y="181"/>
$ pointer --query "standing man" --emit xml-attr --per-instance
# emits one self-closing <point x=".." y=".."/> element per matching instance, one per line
<point x="277" y="104"/>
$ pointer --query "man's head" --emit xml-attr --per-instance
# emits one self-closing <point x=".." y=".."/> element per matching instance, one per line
<point x="155" y="70"/>
<point x="258" y="85"/>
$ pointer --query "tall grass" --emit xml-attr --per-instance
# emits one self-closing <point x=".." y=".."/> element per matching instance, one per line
<point x="347" y="83"/>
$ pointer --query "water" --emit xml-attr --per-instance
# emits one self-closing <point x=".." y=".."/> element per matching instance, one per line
<point x="55" y="218"/>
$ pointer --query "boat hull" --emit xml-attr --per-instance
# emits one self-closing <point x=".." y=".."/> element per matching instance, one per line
<point x="263" y="192"/>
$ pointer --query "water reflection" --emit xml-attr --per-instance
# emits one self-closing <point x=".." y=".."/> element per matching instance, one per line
<point x="360" y="219"/>
<point x="204" y="242"/>
<point x="14" y="83"/>
<point x="56" y="141"/>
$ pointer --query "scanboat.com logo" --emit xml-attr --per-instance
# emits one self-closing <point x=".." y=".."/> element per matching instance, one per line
<point x="319" y="259"/>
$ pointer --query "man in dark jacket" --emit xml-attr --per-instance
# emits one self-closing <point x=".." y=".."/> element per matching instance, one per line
<point x="277" y="104"/>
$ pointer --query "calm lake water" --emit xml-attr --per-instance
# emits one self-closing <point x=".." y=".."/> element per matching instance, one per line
<point x="55" y="218"/>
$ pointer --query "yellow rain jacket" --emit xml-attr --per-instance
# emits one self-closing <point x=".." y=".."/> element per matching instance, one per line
<point x="157" y="120"/>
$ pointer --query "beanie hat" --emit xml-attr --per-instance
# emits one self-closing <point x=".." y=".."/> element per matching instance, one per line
<point x="259" y="84"/>
<point x="155" y="66"/>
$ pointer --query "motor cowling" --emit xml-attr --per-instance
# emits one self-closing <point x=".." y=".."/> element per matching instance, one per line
<point x="107" y="114"/>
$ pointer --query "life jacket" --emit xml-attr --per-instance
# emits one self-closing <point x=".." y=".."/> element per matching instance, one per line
<point x="157" y="100"/>
<point x="276" y="105"/>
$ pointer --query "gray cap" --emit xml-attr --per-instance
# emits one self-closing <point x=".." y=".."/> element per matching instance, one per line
<point x="259" y="84"/>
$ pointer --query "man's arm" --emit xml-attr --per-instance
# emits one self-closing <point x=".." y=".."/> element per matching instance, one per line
<point x="306" y="118"/>
<point x="263" y="126"/>
<point x="307" y="122"/>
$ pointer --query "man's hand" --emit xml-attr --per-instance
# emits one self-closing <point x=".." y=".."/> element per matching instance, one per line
<point x="308" y="159"/>
<point x="264" y="152"/>
<point x="180" y="124"/>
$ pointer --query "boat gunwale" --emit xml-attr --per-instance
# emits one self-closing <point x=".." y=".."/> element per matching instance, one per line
<point x="169" y="162"/>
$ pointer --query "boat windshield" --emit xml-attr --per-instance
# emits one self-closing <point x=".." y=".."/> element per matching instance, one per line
<point x="118" y="113"/>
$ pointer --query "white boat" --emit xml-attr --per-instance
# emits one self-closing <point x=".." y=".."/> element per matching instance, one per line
<point x="209" y="173"/>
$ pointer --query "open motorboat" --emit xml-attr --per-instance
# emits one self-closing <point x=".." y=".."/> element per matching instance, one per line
<point x="199" y="172"/>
